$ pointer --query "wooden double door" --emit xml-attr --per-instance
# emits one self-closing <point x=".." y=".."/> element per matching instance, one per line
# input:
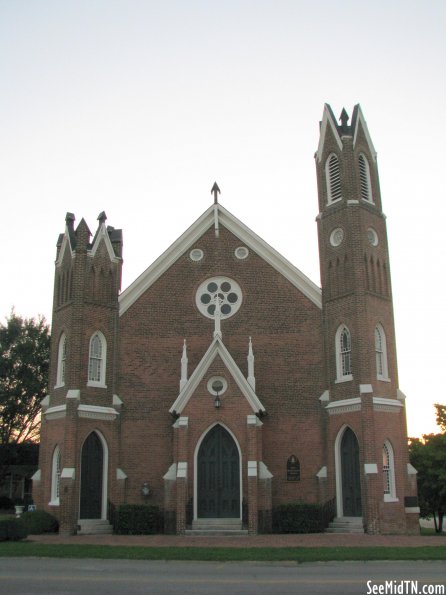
<point x="218" y="476"/>
<point x="351" y="482"/>
<point x="92" y="471"/>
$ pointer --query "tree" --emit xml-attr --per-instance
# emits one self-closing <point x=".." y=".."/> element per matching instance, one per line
<point x="428" y="456"/>
<point x="441" y="417"/>
<point x="24" y="364"/>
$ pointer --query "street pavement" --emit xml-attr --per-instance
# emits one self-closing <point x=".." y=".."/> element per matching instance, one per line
<point x="52" y="576"/>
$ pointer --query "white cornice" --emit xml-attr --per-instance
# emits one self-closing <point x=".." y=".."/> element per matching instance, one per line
<point x="344" y="406"/>
<point x="389" y="405"/>
<point x="97" y="412"/>
<point x="216" y="348"/>
<point x="327" y="119"/>
<point x="55" y="412"/>
<point x="243" y="233"/>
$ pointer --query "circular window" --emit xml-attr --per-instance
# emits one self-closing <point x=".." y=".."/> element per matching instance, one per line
<point x="217" y="385"/>
<point x="227" y="292"/>
<point x="241" y="252"/>
<point x="336" y="237"/>
<point x="196" y="254"/>
<point x="372" y="236"/>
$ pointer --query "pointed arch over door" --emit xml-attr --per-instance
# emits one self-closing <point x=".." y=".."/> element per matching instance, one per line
<point x="93" y="495"/>
<point x="218" y="475"/>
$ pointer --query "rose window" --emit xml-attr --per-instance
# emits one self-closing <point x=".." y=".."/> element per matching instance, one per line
<point x="226" y="290"/>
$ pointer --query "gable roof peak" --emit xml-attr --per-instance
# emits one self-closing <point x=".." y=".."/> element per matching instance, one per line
<point x="241" y="231"/>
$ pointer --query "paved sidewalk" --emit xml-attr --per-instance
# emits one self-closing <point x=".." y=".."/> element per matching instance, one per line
<point x="307" y="540"/>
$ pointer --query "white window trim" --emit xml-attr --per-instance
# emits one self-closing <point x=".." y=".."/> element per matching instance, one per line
<point x="391" y="495"/>
<point x="330" y="199"/>
<point x="56" y="470"/>
<point x="340" y="376"/>
<point x="101" y="382"/>
<point x="383" y="354"/>
<point x="61" y="361"/>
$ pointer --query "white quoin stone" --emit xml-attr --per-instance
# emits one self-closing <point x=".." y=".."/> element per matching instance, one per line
<point x="251" y="378"/>
<point x="184" y="362"/>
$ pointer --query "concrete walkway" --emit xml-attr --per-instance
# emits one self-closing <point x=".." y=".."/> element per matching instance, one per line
<point x="307" y="540"/>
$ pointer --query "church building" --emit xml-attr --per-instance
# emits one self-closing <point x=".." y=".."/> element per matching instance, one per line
<point x="223" y="382"/>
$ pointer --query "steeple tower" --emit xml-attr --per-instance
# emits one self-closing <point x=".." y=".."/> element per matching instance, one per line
<point x="354" y="254"/>
<point x="365" y="412"/>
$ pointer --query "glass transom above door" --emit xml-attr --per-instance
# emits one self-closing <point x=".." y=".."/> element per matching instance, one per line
<point x="228" y="292"/>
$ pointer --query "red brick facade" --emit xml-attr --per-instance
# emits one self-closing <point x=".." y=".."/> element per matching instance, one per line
<point x="152" y="410"/>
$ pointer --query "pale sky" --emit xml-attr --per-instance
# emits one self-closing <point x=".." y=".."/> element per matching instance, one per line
<point x="136" y="107"/>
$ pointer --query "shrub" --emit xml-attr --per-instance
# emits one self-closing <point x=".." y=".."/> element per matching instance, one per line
<point x="39" y="521"/>
<point x="137" y="519"/>
<point x="298" y="518"/>
<point x="12" y="530"/>
<point x="6" y="503"/>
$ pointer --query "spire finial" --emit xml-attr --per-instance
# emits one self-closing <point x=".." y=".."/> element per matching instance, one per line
<point x="70" y="219"/>
<point x="102" y="217"/>
<point x="344" y="118"/>
<point x="215" y="191"/>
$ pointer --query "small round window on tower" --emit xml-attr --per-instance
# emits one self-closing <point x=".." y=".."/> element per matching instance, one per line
<point x="372" y="236"/>
<point x="337" y="237"/>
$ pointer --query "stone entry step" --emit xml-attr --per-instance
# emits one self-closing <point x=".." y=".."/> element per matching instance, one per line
<point x="350" y="524"/>
<point x="94" y="527"/>
<point x="217" y="527"/>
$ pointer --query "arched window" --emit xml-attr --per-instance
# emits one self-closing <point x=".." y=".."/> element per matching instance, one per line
<point x="293" y="469"/>
<point x="61" y="360"/>
<point x="388" y="472"/>
<point x="55" y="477"/>
<point x="364" y="178"/>
<point x="333" y="177"/>
<point x="343" y="354"/>
<point x="381" y="353"/>
<point x="97" y="360"/>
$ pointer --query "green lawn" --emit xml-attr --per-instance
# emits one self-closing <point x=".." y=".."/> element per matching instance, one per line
<point x="296" y="554"/>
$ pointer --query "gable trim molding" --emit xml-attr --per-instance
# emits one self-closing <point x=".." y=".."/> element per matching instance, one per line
<point x="243" y="233"/>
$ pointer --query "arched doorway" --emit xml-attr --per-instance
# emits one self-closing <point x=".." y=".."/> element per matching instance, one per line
<point x="351" y="482"/>
<point x="218" y="475"/>
<point x="92" y="478"/>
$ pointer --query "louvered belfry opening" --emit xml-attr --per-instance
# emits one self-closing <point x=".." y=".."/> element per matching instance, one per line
<point x="364" y="178"/>
<point x="334" y="179"/>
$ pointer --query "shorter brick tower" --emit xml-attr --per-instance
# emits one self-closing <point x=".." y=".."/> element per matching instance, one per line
<point x="366" y="427"/>
<point x="80" y="418"/>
